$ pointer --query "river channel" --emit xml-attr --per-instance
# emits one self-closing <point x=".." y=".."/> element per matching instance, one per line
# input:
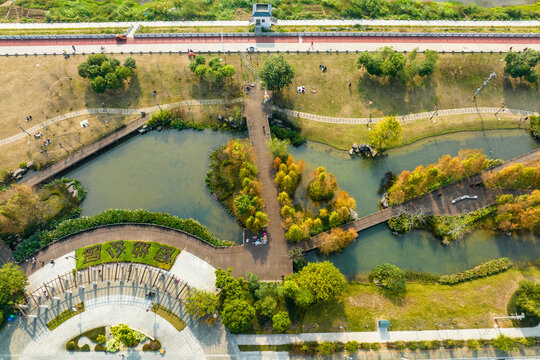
<point x="165" y="171"/>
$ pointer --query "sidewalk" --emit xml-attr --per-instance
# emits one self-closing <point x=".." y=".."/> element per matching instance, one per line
<point x="388" y="336"/>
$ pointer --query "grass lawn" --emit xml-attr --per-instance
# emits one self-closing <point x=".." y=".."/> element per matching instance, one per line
<point x="62" y="31"/>
<point x="343" y="136"/>
<point x="168" y="315"/>
<point x="64" y="316"/>
<point x="150" y="253"/>
<point x="470" y="304"/>
<point x="452" y="85"/>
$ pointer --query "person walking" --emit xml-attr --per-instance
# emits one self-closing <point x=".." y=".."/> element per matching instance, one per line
<point x="73" y="46"/>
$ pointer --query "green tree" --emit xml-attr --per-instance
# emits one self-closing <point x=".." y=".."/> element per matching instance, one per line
<point x="504" y="343"/>
<point x="279" y="148"/>
<point x="12" y="284"/>
<point x="521" y="65"/>
<point x="238" y="315"/>
<point x="96" y="59"/>
<point x="388" y="276"/>
<point x="527" y="299"/>
<point x="295" y="233"/>
<point x="230" y="287"/>
<point x="322" y="279"/>
<point x="130" y="63"/>
<point x="281" y="321"/>
<point x="98" y="84"/>
<point x="82" y="69"/>
<point x="244" y="204"/>
<point x="112" y="81"/>
<point x="105" y="68"/>
<point x="276" y="73"/>
<point x="124" y="72"/>
<point x="200" y="303"/>
<point x="385" y="133"/>
<point x="266" y="306"/>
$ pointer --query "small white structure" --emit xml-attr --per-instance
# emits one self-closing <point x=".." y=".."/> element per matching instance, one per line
<point x="262" y="17"/>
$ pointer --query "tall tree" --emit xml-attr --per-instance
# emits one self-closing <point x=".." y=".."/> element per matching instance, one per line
<point x="276" y="73"/>
<point x="385" y="133"/>
<point x="200" y="303"/>
<point x="238" y="315"/>
<point x="388" y="276"/>
<point x="322" y="279"/>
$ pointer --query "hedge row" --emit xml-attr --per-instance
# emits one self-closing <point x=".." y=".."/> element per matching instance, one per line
<point x="488" y="268"/>
<point x="120" y="216"/>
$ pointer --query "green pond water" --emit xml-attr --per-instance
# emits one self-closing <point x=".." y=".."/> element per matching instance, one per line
<point x="165" y="171"/>
<point x="417" y="250"/>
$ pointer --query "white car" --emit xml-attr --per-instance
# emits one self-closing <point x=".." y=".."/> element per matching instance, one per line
<point x="472" y="197"/>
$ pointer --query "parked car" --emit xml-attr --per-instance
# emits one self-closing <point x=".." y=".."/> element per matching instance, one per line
<point x="120" y="37"/>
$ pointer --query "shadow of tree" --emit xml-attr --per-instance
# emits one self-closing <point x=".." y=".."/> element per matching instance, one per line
<point x="519" y="94"/>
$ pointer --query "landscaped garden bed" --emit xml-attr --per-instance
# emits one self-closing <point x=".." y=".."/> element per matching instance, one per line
<point x="151" y="253"/>
<point x="65" y="315"/>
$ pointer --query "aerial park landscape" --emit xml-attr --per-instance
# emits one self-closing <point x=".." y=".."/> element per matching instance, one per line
<point x="190" y="180"/>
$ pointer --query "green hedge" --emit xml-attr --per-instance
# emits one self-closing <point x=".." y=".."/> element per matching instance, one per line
<point x="127" y="251"/>
<point x="121" y="216"/>
<point x="293" y="136"/>
<point x="488" y="268"/>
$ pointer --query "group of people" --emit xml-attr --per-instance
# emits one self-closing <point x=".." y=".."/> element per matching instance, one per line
<point x="28" y="118"/>
<point x="323" y="68"/>
<point x="258" y="239"/>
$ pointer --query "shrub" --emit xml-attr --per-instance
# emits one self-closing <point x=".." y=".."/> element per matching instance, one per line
<point x="459" y="343"/>
<point x="504" y="343"/>
<point x="113" y="346"/>
<point x="535" y="125"/>
<point x="352" y="346"/>
<point x="448" y="344"/>
<point x="281" y="321"/>
<point x="295" y="138"/>
<point x="388" y="276"/>
<point x="488" y="268"/>
<point x="375" y="346"/>
<point x="238" y="315"/>
<point x="101" y="339"/>
<point x="398" y="345"/>
<point x="85" y="347"/>
<point x="412" y="345"/>
<point x="435" y="344"/>
<point x="365" y="346"/>
<point x="336" y="240"/>
<point x="424" y="345"/>
<point x="473" y="344"/>
<point x="119" y="216"/>
<point x="153" y="345"/>
<point x="70" y="346"/>
<point x="99" y="347"/>
<point x="22" y="165"/>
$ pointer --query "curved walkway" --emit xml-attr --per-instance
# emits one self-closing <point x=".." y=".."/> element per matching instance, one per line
<point x="114" y="111"/>
<point x="404" y="118"/>
<point x="242" y="259"/>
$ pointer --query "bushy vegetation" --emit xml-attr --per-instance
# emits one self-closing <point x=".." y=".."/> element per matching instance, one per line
<point x="261" y="305"/>
<point x="390" y="277"/>
<point x="336" y="240"/>
<point x="393" y="65"/>
<point x="385" y="133"/>
<point x="516" y="176"/>
<point x="527" y="300"/>
<point x="521" y="65"/>
<point x="106" y="72"/>
<point x="293" y="136"/>
<point x="445" y="227"/>
<point x="519" y="213"/>
<point x="147" y="252"/>
<point x="485" y="269"/>
<point x="213" y="73"/>
<point x="334" y="205"/>
<point x="201" y="303"/>
<point x="131" y="10"/>
<point x="233" y="180"/>
<point x="153" y="345"/>
<point x="117" y="216"/>
<point x="13" y="281"/>
<point x="26" y="211"/>
<point x="126" y="335"/>
<point x="535" y="125"/>
<point x="447" y="170"/>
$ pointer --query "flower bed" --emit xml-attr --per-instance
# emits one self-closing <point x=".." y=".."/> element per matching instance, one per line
<point x="151" y="253"/>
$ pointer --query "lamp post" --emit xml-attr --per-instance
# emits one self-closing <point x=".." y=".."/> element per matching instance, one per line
<point x="24" y="131"/>
<point x="62" y="147"/>
<point x="299" y="108"/>
<point x="154" y="95"/>
<point x="104" y="108"/>
<point x="436" y="112"/>
<point x="498" y="111"/>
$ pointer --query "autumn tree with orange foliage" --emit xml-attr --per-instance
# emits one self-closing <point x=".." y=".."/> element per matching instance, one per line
<point x="447" y="170"/>
<point x="521" y="213"/>
<point x="336" y="240"/>
<point x="516" y="176"/>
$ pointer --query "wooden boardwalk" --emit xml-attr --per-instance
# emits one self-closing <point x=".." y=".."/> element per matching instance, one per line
<point x="438" y="202"/>
<point x="82" y="154"/>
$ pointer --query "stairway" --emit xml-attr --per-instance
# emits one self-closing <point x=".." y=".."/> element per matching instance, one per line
<point x="250" y="67"/>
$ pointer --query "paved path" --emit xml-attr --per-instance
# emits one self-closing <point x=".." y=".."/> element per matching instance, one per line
<point x="329" y="22"/>
<point x="115" y="111"/>
<point x="259" y="134"/>
<point x="385" y="336"/>
<point x="403" y="118"/>
<point x="256" y="259"/>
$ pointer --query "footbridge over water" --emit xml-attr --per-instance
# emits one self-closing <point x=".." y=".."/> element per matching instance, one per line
<point x="439" y="202"/>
